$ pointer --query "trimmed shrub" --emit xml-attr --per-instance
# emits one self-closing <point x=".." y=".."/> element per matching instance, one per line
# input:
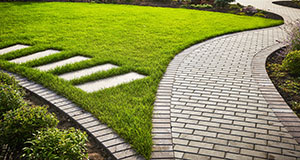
<point x="292" y="63"/>
<point x="57" y="144"/>
<point x="10" y="98"/>
<point x="222" y="3"/>
<point x="20" y="124"/>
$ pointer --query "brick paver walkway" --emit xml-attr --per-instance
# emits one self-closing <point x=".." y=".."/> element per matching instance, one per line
<point x="211" y="103"/>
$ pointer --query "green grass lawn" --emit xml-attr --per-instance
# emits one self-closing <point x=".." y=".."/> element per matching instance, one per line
<point x="140" y="39"/>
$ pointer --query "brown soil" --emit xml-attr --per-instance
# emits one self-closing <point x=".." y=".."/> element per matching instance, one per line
<point x="288" y="4"/>
<point x="280" y="79"/>
<point x="95" y="151"/>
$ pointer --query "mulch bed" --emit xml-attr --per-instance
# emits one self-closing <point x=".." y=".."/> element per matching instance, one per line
<point x="95" y="151"/>
<point x="284" y="83"/>
<point x="288" y="4"/>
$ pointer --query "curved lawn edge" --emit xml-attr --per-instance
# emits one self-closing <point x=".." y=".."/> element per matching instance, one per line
<point x="281" y="109"/>
<point x="60" y="90"/>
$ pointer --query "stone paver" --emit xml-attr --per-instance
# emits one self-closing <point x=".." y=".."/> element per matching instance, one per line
<point x="87" y="71"/>
<point x="13" y="48"/>
<point x="35" y="56"/>
<point x="53" y="65"/>
<point x="219" y="102"/>
<point x="110" y="82"/>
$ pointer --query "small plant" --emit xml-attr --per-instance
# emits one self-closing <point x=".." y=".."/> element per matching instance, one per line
<point x="19" y="125"/>
<point x="57" y="144"/>
<point x="235" y="6"/>
<point x="7" y="79"/>
<point x="249" y="10"/>
<point x="292" y="63"/>
<point x="10" y="98"/>
<point x="260" y="14"/>
<point x="222" y="3"/>
<point x="293" y="38"/>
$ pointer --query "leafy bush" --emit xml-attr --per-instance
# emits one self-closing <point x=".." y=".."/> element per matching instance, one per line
<point x="259" y="14"/>
<point x="201" y="6"/>
<point x="7" y="79"/>
<point x="57" y="144"/>
<point x="293" y="40"/>
<point x="10" y="98"/>
<point x="19" y="125"/>
<point x="292" y="63"/>
<point x="222" y="3"/>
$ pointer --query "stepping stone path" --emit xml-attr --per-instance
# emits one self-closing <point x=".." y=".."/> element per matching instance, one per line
<point x="34" y="56"/>
<point x="88" y="86"/>
<point x="110" y="82"/>
<point x="13" y="48"/>
<point x="87" y="71"/>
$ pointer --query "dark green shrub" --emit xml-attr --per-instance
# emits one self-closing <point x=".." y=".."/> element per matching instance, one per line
<point x="7" y="79"/>
<point x="20" y="124"/>
<point x="292" y="63"/>
<point x="10" y="98"/>
<point x="222" y="3"/>
<point x="57" y="144"/>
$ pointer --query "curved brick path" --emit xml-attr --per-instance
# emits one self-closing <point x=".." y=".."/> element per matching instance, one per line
<point x="215" y="101"/>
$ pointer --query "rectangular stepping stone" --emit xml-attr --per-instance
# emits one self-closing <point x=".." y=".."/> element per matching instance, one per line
<point x="13" y="48"/>
<point x="50" y="66"/>
<point x="109" y="82"/>
<point x="87" y="71"/>
<point x="34" y="56"/>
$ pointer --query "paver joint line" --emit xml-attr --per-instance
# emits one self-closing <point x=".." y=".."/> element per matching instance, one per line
<point x="227" y="108"/>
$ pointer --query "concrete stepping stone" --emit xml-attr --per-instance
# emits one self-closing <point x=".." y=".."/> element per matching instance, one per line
<point x="35" y="56"/>
<point x="13" y="48"/>
<point x="87" y="71"/>
<point x="110" y="82"/>
<point x="50" y="66"/>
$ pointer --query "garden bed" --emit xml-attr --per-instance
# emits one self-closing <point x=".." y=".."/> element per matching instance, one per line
<point x="95" y="151"/>
<point x="288" y="4"/>
<point x="287" y="85"/>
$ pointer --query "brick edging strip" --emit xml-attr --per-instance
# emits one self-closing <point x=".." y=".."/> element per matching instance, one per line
<point x="105" y="136"/>
<point x="280" y="108"/>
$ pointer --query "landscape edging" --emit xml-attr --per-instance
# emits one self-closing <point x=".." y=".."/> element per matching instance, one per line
<point x="278" y="105"/>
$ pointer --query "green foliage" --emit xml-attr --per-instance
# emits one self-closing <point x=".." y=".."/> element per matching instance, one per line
<point x="292" y="63"/>
<point x="296" y="108"/>
<point x="222" y="3"/>
<point x="55" y="144"/>
<point x="7" y="79"/>
<point x="237" y="6"/>
<point x="10" y="98"/>
<point x="136" y="38"/>
<point x="259" y="14"/>
<point x="18" y="125"/>
<point x="201" y="6"/>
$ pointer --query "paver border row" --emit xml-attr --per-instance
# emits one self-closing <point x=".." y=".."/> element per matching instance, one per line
<point x="275" y="101"/>
<point x="105" y="136"/>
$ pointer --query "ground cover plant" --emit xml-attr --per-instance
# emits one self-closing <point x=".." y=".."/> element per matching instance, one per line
<point x="139" y="39"/>
<point x="283" y="67"/>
